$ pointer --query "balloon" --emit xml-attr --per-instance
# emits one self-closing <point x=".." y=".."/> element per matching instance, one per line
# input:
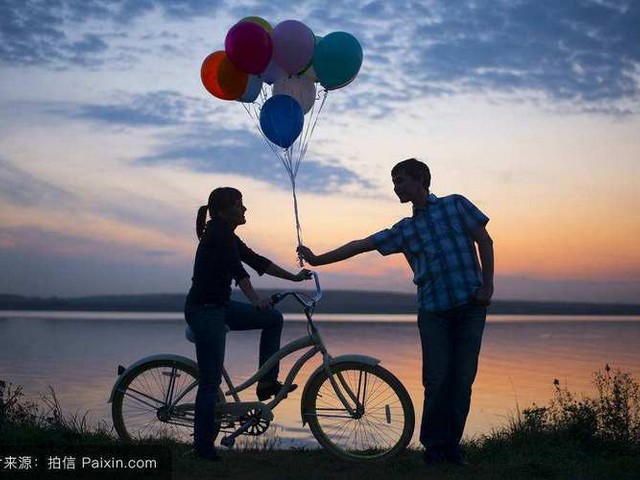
<point x="272" y="73"/>
<point x="260" y="21"/>
<point x="221" y="78"/>
<point x="337" y="60"/>
<point x="281" y="120"/>
<point x="309" y="66"/>
<point x="293" y="45"/>
<point x="310" y="73"/>
<point x="249" y="47"/>
<point x="254" y="87"/>
<point x="301" y="88"/>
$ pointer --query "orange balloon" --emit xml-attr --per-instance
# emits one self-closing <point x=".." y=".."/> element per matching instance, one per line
<point x="221" y="78"/>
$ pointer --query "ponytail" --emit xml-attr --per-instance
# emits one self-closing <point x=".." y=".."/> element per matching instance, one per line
<point x="201" y="220"/>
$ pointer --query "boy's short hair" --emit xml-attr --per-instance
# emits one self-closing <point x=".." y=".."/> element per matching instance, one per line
<point x="415" y="169"/>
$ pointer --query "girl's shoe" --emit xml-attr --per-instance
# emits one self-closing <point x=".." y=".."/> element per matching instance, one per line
<point x="268" y="390"/>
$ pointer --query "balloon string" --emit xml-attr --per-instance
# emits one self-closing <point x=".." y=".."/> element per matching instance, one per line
<point x="297" y="151"/>
<point x="292" y="177"/>
<point x="266" y="140"/>
<point x="288" y="166"/>
<point x="313" y="127"/>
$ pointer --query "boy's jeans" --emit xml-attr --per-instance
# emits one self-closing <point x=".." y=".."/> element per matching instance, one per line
<point x="209" y="325"/>
<point x="450" y="348"/>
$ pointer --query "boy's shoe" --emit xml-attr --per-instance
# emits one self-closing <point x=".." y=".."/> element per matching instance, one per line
<point x="209" y="454"/>
<point x="434" y="457"/>
<point x="268" y="390"/>
<point x="458" y="458"/>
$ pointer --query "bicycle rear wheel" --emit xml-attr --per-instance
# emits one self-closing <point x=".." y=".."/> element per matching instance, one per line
<point x="156" y="400"/>
<point x="381" y="424"/>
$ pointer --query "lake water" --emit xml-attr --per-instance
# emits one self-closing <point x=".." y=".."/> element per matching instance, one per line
<point x="77" y="353"/>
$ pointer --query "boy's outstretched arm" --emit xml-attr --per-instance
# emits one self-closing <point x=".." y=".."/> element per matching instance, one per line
<point x="347" y="250"/>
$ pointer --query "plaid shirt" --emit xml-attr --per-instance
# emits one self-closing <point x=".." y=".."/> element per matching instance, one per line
<point x="438" y="245"/>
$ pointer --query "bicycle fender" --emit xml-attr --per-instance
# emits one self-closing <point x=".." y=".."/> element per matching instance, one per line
<point x="160" y="356"/>
<point x="320" y="370"/>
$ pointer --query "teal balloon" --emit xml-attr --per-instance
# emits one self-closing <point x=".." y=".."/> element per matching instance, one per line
<point x="337" y="60"/>
<point x="281" y="120"/>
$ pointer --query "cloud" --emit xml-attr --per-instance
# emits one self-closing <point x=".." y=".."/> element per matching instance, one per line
<point x="584" y="53"/>
<point x="154" y="109"/>
<point x="38" y="33"/>
<point x="19" y="187"/>
<point x="572" y="50"/>
<point x="43" y="263"/>
<point x="219" y="149"/>
<point x="581" y="53"/>
<point x="56" y="33"/>
<point x="200" y="141"/>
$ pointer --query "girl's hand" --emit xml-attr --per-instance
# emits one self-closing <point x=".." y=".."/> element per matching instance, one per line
<point x="302" y="275"/>
<point x="264" y="303"/>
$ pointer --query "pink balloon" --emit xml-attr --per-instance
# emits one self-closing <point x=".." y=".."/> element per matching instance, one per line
<point x="272" y="73"/>
<point x="293" y="45"/>
<point x="249" y="47"/>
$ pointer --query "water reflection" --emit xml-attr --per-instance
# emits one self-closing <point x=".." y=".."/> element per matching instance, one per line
<point x="78" y="357"/>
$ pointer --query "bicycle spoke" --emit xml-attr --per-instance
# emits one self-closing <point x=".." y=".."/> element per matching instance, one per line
<point x="381" y="421"/>
<point x="157" y="402"/>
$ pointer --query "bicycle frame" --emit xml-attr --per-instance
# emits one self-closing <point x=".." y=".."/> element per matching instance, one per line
<point x="313" y="340"/>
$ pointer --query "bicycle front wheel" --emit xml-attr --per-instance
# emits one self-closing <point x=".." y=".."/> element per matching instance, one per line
<point x="157" y="400"/>
<point x="380" y="421"/>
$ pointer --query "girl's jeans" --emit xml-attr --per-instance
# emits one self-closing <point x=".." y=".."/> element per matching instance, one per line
<point x="210" y="324"/>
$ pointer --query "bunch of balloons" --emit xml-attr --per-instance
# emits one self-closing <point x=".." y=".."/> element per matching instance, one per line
<point x="289" y="60"/>
<point x="279" y="75"/>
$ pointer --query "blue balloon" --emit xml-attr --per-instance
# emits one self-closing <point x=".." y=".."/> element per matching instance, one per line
<point x="281" y="120"/>
<point x="337" y="60"/>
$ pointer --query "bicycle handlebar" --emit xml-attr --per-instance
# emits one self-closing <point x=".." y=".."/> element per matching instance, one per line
<point x="301" y="297"/>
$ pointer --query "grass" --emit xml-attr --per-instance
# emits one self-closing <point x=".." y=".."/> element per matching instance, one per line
<point x="570" y="438"/>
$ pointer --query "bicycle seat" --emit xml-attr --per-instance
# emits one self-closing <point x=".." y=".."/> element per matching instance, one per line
<point x="190" y="335"/>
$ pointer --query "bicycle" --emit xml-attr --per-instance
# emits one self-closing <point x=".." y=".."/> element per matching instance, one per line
<point x="356" y="409"/>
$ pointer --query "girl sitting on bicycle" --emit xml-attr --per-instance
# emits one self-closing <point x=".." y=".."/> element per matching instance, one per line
<point x="210" y="312"/>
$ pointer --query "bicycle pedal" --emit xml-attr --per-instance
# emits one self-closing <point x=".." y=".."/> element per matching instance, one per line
<point x="228" y="442"/>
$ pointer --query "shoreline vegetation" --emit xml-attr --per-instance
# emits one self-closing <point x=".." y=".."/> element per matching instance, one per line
<point x="333" y="301"/>
<point x="570" y="438"/>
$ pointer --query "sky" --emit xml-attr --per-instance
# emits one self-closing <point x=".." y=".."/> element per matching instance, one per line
<point x="109" y="142"/>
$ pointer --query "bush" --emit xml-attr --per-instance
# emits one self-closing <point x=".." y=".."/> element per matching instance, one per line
<point x="24" y="420"/>
<point x="612" y="416"/>
<point x="618" y="406"/>
<point x="14" y="408"/>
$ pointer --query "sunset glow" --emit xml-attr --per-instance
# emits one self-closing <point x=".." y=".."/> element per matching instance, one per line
<point x="109" y="143"/>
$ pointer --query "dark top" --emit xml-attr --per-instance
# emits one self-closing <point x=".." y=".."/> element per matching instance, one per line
<point x="219" y="260"/>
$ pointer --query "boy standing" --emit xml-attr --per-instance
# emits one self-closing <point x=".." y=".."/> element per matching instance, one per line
<point x="454" y="289"/>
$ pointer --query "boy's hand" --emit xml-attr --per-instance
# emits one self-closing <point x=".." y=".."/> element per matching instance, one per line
<point x="484" y="294"/>
<point x="307" y="254"/>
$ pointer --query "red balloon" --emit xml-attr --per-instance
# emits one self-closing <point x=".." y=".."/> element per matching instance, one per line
<point x="221" y="78"/>
<point x="249" y="47"/>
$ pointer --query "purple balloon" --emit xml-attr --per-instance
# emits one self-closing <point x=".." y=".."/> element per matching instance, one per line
<point x="249" y="47"/>
<point x="293" y="45"/>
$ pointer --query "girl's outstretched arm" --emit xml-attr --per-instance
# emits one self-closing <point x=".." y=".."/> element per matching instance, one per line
<point x="276" y="271"/>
